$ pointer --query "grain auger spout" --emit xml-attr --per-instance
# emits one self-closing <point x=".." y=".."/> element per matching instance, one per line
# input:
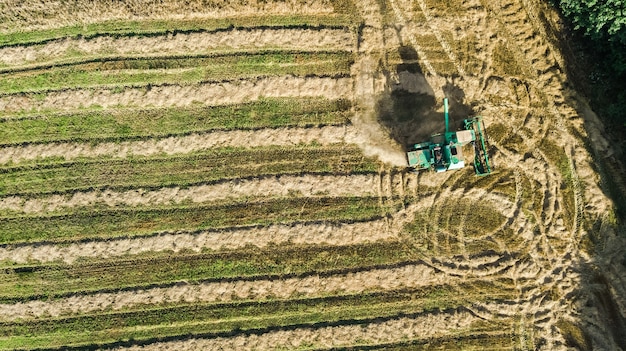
<point x="444" y="152"/>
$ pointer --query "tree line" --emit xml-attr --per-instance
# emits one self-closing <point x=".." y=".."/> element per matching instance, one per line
<point x="603" y="26"/>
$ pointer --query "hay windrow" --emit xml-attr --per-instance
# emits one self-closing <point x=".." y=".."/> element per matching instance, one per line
<point x="335" y="234"/>
<point x="389" y="331"/>
<point x="50" y="14"/>
<point x="410" y="276"/>
<point x="209" y="93"/>
<point x="178" y="44"/>
<point x="279" y="186"/>
<point x="183" y="144"/>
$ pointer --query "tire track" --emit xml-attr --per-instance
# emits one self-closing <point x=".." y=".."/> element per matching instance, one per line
<point x="517" y="23"/>
<point x="408" y="276"/>
<point x="278" y="186"/>
<point x="57" y="13"/>
<point x="179" y="44"/>
<point x="444" y="44"/>
<point x="542" y="247"/>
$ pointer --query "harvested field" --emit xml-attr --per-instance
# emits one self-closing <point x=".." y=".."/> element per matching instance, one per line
<point x="68" y="50"/>
<point x="232" y="175"/>
<point x="54" y="14"/>
<point x="177" y="94"/>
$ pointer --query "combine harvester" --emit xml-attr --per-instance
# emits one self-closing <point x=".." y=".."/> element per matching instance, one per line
<point x="445" y="151"/>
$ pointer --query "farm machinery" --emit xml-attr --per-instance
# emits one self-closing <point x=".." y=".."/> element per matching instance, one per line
<point x="444" y="152"/>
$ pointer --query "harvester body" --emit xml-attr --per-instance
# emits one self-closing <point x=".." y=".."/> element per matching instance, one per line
<point x="444" y="152"/>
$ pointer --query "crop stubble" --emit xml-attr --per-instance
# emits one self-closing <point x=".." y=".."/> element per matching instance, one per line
<point x="531" y="246"/>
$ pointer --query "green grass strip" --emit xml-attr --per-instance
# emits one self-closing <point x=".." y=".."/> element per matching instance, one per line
<point x="127" y="123"/>
<point x="152" y="27"/>
<point x="208" y="319"/>
<point x="207" y="166"/>
<point x="50" y="281"/>
<point x="132" y="222"/>
<point x="191" y="71"/>
<point x="473" y="341"/>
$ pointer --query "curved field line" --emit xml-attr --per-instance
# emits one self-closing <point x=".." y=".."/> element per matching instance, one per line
<point x="307" y="185"/>
<point x="180" y="44"/>
<point x="336" y="234"/>
<point x="551" y="267"/>
<point x="409" y="276"/>
<point x="209" y="93"/>
<point x="402" y="329"/>
<point x="184" y="144"/>
<point x="55" y="13"/>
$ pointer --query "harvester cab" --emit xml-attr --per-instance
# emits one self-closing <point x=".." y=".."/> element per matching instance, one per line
<point x="444" y="152"/>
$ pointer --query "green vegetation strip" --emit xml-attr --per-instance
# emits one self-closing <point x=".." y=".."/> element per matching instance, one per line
<point x="177" y="170"/>
<point x="473" y="341"/>
<point x="123" y="124"/>
<point x="131" y="222"/>
<point x="179" y="71"/>
<point x="231" y="318"/>
<point x="557" y="156"/>
<point x="456" y="217"/>
<point x="158" y="27"/>
<point x="50" y="281"/>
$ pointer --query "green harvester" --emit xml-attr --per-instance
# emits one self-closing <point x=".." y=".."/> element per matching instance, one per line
<point x="445" y="151"/>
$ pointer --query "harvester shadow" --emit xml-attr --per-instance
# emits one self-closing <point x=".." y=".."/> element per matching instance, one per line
<point x="409" y="111"/>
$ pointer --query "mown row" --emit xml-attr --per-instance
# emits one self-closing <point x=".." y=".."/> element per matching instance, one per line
<point x="109" y="223"/>
<point x="181" y="170"/>
<point x="165" y="268"/>
<point x="240" y="317"/>
<point x="172" y="26"/>
<point x="129" y="124"/>
<point x="137" y="71"/>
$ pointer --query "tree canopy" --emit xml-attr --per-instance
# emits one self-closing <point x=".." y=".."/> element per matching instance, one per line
<point x="601" y="19"/>
<point x="604" y="23"/>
